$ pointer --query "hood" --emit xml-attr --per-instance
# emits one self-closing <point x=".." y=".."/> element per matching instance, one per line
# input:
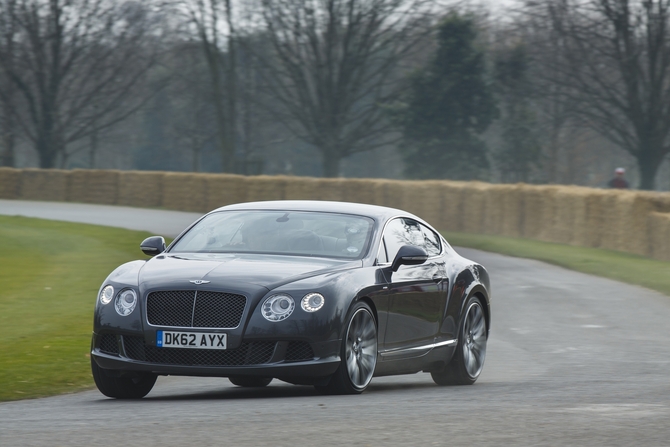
<point x="236" y="270"/>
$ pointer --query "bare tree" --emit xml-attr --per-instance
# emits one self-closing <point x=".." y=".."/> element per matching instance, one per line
<point x="7" y="91"/>
<point x="214" y="25"/>
<point x="333" y="65"/>
<point x="74" y="67"/>
<point x="193" y="117"/>
<point x="615" y="67"/>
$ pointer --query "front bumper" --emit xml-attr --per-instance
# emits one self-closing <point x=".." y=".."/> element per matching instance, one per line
<point x="297" y="361"/>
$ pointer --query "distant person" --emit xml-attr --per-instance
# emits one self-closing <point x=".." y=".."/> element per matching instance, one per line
<point x="618" y="182"/>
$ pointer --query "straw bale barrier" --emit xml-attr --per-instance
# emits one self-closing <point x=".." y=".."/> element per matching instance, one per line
<point x="631" y="221"/>
<point x="93" y="186"/>
<point x="9" y="183"/>
<point x="224" y="189"/>
<point x="184" y="191"/>
<point x="659" y="236"/>
<point x="140" y="188"/>
<point x="44" y="184"/>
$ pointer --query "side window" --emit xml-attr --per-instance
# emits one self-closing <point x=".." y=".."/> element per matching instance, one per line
<point x="431" y="241"/>
<point x="401" y="232"/>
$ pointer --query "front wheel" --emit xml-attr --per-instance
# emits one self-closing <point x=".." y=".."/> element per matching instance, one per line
<point x="468" y="361"/>
<point x="122" y="387"/>
<point x="358" y="354"/>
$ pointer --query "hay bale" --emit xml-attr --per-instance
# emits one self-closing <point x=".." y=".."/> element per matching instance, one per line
<point x="379" y="191"/>
<point x="303" y="188"/>
<point x="660" y="200"/>
<point x="512" y="215"/>
<point x="538" y="211"/>
<point x="473" y="201"/>
<point x="184" y="191"/>
<point x="564" y="214"/>
<point x="451" y="207"/>
<point x="590" y="233"/>
<point x="425" y="199"/>
<point x="356" y="190"/>
<point x="332" y="189"/>
<point x="93" y="186"/>
<point x="393" y="194"/>
<point x="633" y="234"/>
<point x="658" y="225"/>
<point x="570" y="220"/>
<point x="624" y="222"/>
<point x="224" y="189"/>
<point x="10" y="179"/>
<point x="433" y="202"/>
<point x="141" y="188"/>
<point x="265" y="187"/>
<point x="494" y="208"/>
<point x="44" y="184"/>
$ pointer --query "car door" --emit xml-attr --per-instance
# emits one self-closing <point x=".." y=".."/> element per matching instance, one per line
<point x="416" y="292"/>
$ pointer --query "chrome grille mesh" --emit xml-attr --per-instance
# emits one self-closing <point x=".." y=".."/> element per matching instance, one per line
<point x="190" y="308"/>
<point x="107" y="343"/>
<point x="213" y="309"/>
<point x="249" y="353"/>
<point x="298" y="351"/>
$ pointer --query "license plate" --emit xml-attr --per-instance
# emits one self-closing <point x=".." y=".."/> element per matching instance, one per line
<point x="193" y="340"/>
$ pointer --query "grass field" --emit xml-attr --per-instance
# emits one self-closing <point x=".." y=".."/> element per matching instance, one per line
<point x="50" y="273"/>
<point x="628" y="268"/>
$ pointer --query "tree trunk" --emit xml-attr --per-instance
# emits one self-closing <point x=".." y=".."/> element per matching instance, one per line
<point x="93" y="149"/>
<point x="648" y="163"/>
<point x="48" y="145"/>
<point x="331" y="162"/>
<point x="46" y="154"/>
<point x="231" y="84"/>
<point x="8" y="140"/>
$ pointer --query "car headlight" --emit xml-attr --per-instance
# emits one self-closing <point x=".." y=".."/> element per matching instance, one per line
<point x="278" y="307"/>
<point x="126" y="302"/>
<point x="106" y="295"/>
<point x="312" y="302"/>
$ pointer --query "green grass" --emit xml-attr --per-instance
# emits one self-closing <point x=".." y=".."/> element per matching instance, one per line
<point x="628" y="268"/>
<point x="50" y="273"/>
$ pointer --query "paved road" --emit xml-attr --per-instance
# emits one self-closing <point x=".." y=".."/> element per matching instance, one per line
<point x="161" y="222"/>
<point x="573" y="360"/>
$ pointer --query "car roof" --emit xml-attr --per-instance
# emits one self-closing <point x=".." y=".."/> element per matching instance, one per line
<point x="376" y="212"/>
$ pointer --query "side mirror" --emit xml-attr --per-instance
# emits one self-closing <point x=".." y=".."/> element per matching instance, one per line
<point x="153" y="245"/>
<point x="409" y="255"/>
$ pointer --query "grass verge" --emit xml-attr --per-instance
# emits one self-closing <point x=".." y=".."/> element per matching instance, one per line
<point x="628" y="268"/>
<point x="50" y="273"/>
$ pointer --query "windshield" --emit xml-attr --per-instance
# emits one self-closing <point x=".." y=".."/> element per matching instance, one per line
<point x="279" y="232"/>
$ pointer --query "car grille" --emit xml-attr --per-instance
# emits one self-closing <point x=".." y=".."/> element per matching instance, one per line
<point x="252" y="353"/>
<point x="107" y="343"/>
<point x="297" y="351"/>
<point x="190" y="308"/>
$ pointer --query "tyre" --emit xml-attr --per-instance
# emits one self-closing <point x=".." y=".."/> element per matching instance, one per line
<point x="358" y="353"/>
<point x="468" y="361"/>
<point x="122" y="387"/>
<point x="250" y="382"/>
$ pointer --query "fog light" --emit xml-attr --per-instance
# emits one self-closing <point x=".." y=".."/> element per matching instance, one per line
<point x="126" y="302"/>
<point x="106" y="295"/>
<point x="312" y="302"/>
<point x="278" y="307"/>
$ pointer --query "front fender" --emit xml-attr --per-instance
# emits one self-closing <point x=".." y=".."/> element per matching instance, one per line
<point x="105" y="316"/>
